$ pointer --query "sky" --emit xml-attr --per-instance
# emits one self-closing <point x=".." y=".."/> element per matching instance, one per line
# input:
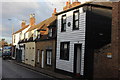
<point x="14" y="11"/>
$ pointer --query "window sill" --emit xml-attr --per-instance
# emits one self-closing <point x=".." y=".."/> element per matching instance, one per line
<point x="48" y="65"/>
<point x="63" y="31"/>
<point x="76" y="29"/>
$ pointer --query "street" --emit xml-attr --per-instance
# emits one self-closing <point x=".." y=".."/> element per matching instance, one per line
<point x="0" y="67"/>
<point x="13" y="71"/>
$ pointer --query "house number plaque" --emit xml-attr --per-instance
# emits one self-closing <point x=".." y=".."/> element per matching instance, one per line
<point x="69" y="24"/>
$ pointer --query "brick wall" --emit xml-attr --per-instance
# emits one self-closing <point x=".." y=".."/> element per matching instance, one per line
<point x="108" y="68"/>
<point x="43" y="45"/>
<point x="116" y="37"/>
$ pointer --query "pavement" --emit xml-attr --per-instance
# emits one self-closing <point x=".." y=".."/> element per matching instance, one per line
<point x="12" y="71"/>
<point x="46" y="72"/>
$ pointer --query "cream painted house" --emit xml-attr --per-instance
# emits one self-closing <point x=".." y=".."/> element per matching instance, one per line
<point x="30" y="36"/>
<point x="17" y="37"/>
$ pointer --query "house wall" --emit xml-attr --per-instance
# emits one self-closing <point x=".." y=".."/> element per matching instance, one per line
<point x="23" y="32"/>
<point x="74" y="36"/>
<point x="98" y="35"/>
<point x="116" y="39"/>
<point x="43" y="45"/>
<point x="16" y="37"/>
<point x="30" y="53"/>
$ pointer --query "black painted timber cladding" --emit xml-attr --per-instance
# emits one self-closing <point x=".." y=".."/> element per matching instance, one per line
<point x="98" y="34"/>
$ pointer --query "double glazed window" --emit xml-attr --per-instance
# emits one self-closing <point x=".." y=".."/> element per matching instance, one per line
<point x="64" y="50"/>
<point x="76" y="20"/>
<point x="63" y="26"/>
<point x="49" y="57"/>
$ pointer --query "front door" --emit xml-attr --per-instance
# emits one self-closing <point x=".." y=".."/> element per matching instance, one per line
<point x="42" y="63"/>
<point x="77" y="59"/>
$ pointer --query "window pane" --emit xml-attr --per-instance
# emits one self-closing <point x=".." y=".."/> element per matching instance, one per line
<point x="76" y="24"/>
<point x="76" y="16"/>
<point x="64" y="51"/>
<point x="64" y="27"/>
<point x="50" y="32"/>
<point x="65" y="46"/>
<point x="49" y="53"/>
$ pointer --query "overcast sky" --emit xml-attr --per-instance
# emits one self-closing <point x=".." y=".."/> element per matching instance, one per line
<point x="18" y="10"/>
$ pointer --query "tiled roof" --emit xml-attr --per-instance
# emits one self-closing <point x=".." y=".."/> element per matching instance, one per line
<point x="21" y="29"/>
<point x="44" y="24"/>
<point x="47" y="22"/>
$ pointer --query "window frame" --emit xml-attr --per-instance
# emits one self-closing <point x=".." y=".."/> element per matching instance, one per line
<point x="50" y="32"/>
<point x="75" y="20"/>
<point x="48" y="58"/>
<point x="63" y="23"/>
<point x="63" y="52"/>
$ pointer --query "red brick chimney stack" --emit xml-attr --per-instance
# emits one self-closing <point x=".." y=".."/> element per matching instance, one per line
<point x="53" y="14"/>
<point x="23" y="23"/>
<point x="69" y="5"/>
<point x="32" y="19"/>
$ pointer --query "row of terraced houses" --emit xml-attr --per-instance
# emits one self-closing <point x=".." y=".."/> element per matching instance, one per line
<point x="82" y="40"/>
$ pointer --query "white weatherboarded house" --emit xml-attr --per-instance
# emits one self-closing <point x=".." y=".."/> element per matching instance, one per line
<point x="68" y="38"/>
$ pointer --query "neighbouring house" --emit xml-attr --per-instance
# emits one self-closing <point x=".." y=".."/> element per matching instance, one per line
<point x="81" y="30"/>
<point x="30" y="36"/>
<point x="16" y="37"/>
<point x="46" y="44"/>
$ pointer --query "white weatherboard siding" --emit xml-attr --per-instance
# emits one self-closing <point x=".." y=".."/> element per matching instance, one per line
<point x="74" y="36"/>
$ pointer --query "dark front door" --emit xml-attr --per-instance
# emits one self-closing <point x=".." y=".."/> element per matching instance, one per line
<point x="77" y="59"/>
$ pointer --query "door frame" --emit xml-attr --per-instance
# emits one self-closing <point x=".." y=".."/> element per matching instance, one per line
<point x="42" y="60"/>
<point x="75" y="56"/>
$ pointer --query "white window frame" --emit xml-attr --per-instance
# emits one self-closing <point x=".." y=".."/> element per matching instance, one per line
<point x="49" y="57"/>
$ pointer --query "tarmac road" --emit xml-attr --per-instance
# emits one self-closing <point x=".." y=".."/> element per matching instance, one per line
<point x="11" y="71"/>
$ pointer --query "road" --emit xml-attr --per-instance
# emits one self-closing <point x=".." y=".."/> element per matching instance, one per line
<point x="12" y="70"/>
<point x="0" y="67"/>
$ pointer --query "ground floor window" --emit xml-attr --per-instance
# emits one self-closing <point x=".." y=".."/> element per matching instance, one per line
<point x="64" y="50"/>
<point x="49" y="56"/>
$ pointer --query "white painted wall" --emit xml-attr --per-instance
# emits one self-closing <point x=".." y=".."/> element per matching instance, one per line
<point x="74" y="36"/>
<point x="23" y="32"/>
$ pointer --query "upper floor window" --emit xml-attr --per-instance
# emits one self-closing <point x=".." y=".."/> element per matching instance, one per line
<point x="35" y="34"/>
<point x="20" y="36"/>
<point x="76" y="20"/>
<point x="50" y="32"/>
<point x="64" y="50"/>
<point x="24" y="35"/>
<point x="38" y="35"/>
<point x="63" y="24"/>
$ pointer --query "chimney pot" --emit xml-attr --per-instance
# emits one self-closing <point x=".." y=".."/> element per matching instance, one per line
<point x="66" y="3"/>
<point x="23" y="23"/>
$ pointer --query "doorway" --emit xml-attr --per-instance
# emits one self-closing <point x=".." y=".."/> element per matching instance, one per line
<point x="77" y="59"/>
